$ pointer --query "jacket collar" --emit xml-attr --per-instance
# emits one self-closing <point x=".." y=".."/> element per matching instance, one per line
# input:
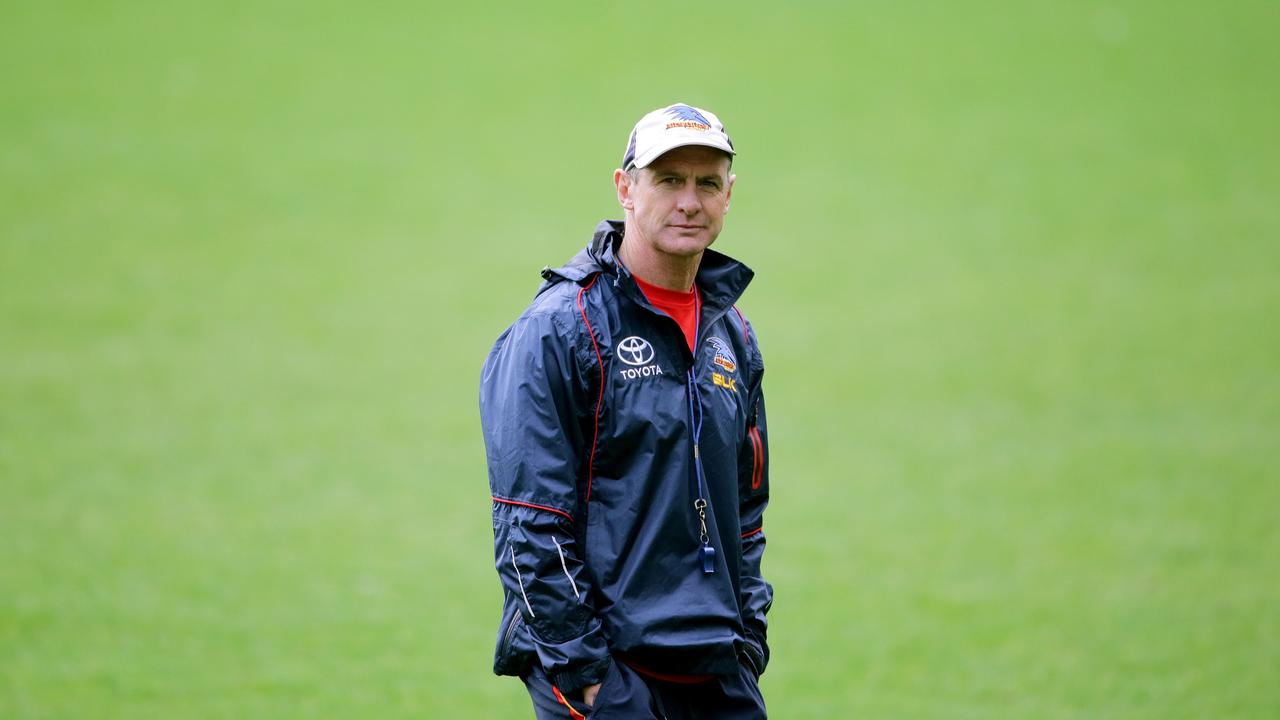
<point x="721" y="279"/>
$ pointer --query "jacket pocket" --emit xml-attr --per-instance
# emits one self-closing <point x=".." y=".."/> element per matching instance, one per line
<point x="623" y="695"/>
<point x="752" y="661"/>
<point x="514" y="653"/>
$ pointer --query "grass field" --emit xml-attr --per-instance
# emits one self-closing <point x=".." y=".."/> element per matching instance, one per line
<point x="1018" y="284"/>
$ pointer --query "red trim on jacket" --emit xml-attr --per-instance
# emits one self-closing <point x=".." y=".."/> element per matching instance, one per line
<point x="750" y="533"/>
<point x="745" y="335"/>
<point x="757" y="449"/>
<point x="595" y="437"/>
<point x="566" y="515"/>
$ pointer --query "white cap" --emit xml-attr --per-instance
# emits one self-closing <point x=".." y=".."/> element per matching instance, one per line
<point x="672" y="127"/>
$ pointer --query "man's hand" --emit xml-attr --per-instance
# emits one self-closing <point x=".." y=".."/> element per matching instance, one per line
<point x="589" y="694"/>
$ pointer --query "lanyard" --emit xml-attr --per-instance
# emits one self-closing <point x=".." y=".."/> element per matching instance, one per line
<point x="706" y="553"/>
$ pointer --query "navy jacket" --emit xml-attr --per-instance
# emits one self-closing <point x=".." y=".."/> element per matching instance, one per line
<point x="609" y="446"/>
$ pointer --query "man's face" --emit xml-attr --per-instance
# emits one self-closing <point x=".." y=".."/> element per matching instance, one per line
<point x="678" y="203"/>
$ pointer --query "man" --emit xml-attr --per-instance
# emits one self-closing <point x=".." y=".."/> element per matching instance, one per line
<point x="625" y="432"/>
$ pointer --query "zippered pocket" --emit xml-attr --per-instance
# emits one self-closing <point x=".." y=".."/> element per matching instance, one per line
<point x="512" y="653"/>
<point x="510" y="632"/>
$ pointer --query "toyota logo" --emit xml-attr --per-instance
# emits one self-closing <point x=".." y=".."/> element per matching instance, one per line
<point x="635" y="351"/>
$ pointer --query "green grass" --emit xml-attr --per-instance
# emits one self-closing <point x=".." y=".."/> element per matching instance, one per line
<point x="1018" y="281"/>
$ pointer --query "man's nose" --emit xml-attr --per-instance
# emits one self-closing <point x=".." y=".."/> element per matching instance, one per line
<point x="688" y="201"/>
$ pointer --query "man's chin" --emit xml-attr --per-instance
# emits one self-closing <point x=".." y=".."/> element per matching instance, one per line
<point x="686" y="245"/>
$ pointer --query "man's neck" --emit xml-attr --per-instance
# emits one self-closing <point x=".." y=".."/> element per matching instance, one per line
<point x="673" y="272"/>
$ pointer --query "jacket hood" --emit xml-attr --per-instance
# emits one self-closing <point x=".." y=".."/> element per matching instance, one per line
<point x="597" y="256"/>
<point x="721" y="279"/>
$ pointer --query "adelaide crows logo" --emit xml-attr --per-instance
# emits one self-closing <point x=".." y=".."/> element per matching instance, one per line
<point x="725" y="359"/>
<point x="687" y="117"/>
<point x="724" y="355"/>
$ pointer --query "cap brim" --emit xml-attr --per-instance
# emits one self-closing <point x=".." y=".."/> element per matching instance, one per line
<point x="654" y="153"/>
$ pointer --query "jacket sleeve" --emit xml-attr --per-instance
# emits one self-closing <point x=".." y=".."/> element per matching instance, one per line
<point x="753" y="495"/>
<point x="537" y="409"/>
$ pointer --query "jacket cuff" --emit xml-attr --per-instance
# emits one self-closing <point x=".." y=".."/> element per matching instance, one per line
<point x="589" y="674"/>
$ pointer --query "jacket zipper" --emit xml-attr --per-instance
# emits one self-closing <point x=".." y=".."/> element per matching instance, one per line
<point x="511" y="631"/>
<point x="706" y="552"/>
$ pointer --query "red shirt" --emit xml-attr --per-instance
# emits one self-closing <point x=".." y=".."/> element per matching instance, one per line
<point x="683" y="307"/>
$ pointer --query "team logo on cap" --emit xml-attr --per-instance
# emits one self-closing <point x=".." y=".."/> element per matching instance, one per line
<point x="687" y="117"/>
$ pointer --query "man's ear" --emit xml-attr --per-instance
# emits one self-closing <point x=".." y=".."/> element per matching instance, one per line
<point x="622" y="183"/>
<point x="728" y="191"/>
